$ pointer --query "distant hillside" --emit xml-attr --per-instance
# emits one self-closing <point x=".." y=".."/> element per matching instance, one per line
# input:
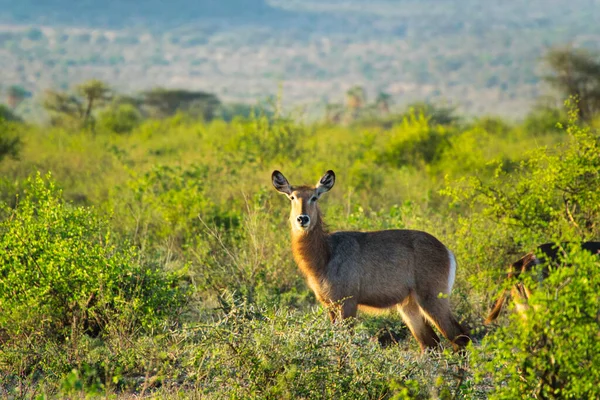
<point x="118" y="14"/>
<point x="483" y="56"/>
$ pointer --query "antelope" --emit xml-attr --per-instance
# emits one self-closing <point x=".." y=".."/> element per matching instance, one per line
<point x="549" y="253"/>
<point x="409" y="270"/>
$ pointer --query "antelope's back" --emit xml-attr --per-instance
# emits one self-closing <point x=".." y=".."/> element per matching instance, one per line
<point x="391" y="255"/>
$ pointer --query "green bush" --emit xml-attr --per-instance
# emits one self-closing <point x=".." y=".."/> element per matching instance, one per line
<point x="64" y="274"/>
<point x="10" y="141"/>
<point x="555" y="351"/>
<point x="553" y="195"/>
<point x="542" y="120"/>
<point x="121" y="118"/>
<point x="7" y="114"/>
<point x="415" y="142"/>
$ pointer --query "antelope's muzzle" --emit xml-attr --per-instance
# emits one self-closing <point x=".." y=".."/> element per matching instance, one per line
<point x="303" y="221"/>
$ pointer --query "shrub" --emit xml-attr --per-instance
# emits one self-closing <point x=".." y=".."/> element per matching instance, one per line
<point x="552" y="195"/>
<point x="64" y="273"/>
<point x="555" y="351"/>
<point x="9" y="139"/>
<point x="122" y="118"/>
<point x="543" y="119"/>
<point x="162" y="205"/>
<point x="265" y="140"/>
<point x="7" y="114"/>
<point x="415" y="142"/>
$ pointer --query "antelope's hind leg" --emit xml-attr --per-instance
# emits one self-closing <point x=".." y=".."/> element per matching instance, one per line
<point x="418" y="325"/>
<point x="437" y="309"/>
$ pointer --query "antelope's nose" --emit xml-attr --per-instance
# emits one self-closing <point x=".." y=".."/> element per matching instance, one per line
<point x="303" y="220"/>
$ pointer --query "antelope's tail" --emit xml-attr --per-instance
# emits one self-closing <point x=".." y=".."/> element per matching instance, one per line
<point x="497" y="308"/>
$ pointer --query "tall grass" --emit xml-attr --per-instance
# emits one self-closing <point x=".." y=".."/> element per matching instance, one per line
<point x="189" y="210"/>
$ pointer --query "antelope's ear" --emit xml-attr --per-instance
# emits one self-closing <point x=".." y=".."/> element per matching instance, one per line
<point x="281" y="184"/>
<point x="326" y="182"/>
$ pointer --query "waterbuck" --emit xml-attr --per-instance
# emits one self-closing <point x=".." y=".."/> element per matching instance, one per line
<point x="407" y="269"/>
<point x="549" y="254"/>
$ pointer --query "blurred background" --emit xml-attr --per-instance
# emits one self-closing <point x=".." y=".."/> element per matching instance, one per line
<point x="480" y="57"/>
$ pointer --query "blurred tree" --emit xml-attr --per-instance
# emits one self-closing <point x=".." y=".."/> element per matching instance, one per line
<point x="228" y="112"/>
<point x="334" y="113"/>
<point x="10" y="141"/>
<point x="15" y="95"/>
<point x="7" y="114"/>
<point x="383" y="102"/>
<point x="119" y="99"/>
<point x="576" y="72"/>
<point x="356" y="98"/>
<point x="94" y="93"/>
<point x="436" y="114"/>
<point x="120" y="117"/>
<point x="77" y="109"/>
<point x="162" y="103"/>
<point x="62" y="107"/>
<point x="544" y="118"/>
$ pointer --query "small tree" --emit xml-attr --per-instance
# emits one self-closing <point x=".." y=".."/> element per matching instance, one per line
<point x="576" y="72"/>
<point x="77" y="108"/>
<point x="9" y="138"/>
<point x="15" y="96"/>
<point x="62" y="107"/>
<point x="163" y="103"/>
<point x="119" y="118"/>
<point x="7" y="114"/>
<point x="383" y="102"/>
<point x="333" y="113"/>
<point x="94" y="93"/>
<point x="356" y="97"/>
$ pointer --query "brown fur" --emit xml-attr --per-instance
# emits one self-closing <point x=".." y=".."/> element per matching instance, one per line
<point x="519" y="292"/>
<point x="405" y="269"/>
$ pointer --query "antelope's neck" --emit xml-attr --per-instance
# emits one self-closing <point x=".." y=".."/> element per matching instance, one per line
<point x="311" y="251"/>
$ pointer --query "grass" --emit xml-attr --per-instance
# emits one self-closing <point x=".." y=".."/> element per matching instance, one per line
<point x="194" y="202"/>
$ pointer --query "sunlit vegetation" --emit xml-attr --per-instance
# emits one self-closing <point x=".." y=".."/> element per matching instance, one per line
<point x="144" y="251"/>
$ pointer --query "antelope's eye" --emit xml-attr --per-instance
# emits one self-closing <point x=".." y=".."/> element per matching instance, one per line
<point x="292" y="197"/>
<point x="313" y="199"/>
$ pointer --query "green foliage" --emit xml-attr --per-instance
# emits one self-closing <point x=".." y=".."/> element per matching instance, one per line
<point x="7" y="115"/>
<point x="544" y="119"/>
<point x="93" y="93"/>
<point x="266" y="141"/>
<point x="164" y="204"/>
<point x="64" y="109"/>
<point x="228" y="112"/>
<point x="554" y="195"/>
<point x="83" y="313"/>
<point x="415" y="142"/>
<point x="9" y="138"/>
<point x="436" y="114"/>
<point x="167" y="102"/>
<point x="554" y="352"/>
<point x="576" y="73"/>
<point x="65" y="275"/>
<point x="121" y="118"/>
